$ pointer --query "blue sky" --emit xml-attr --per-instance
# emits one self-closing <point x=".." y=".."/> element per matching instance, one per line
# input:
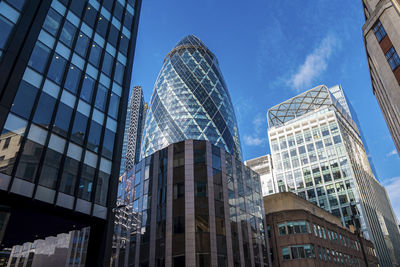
<point x="269" y="51"/>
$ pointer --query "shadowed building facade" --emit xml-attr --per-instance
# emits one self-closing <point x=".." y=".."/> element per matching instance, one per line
<point x="318" y="154"/>
<point x="65" y="70"/>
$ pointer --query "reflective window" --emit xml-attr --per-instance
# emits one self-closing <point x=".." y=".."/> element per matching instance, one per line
<point x="108" y="143"/>
<point x="113" y="107"/>
<point x="94" y="136"/>
<point x="72" y="80"/>
<point x="123" y="44"/>
<point x="23" y="101"/>
<point x="63" y="117"/>
<point x="29" y="161"/>
<point x="86" y="182"/>
<point x="68" y="178"/>
<point x="102" y="188"/>
<point x="379" y="31"/>
<point x="68" y="33"/>
<point x="95" y="53"/>
<point x="119" y="73"/>
<point x="79" y="128"/>
<point x="107" y="64"/>
<point x="101" y="98"/>
<point x="44" y="110"/>
<point x="87" y="89"/>
<point x="393" y="58"/>
<point x="113" y="35"/>
<point x="39" y="57"/>
<point x="82" y="44"/>
<point x="52" y="22"/>
<point x="128" y="20"/>
<point x="57" y="67"/>
<point x="102" y="26"/>
<point x="51" y="164"/>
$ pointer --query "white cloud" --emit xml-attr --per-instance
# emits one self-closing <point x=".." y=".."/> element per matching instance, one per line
<point x="254" y="141"/>
<point x="391" y="153"/>
<point x="314" y="65"/>
<point x="259" y="129"/>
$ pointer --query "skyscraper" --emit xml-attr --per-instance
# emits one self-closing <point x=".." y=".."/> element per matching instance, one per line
<point x="194" y="203"/>
<point x="191" y="101"/>
<point x="134" y="126"/>
<point x="318" y="154"/>
<point x="382" y="42"/>
<point x="65" y="69"/>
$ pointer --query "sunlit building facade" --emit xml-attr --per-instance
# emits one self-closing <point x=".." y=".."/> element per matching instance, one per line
<point x="263" y="166"/>
<point x="381" y="32"/>
<point x="65" y="68"/>
<point x="318" y="154"/>
<point x="190" y="100"/>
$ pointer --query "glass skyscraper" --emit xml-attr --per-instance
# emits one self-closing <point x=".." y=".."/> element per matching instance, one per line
<point x="191" y="101"/>
<point x="65" y="68"/>
<point x="190" y="201"/>
<point x="318" y="153"/>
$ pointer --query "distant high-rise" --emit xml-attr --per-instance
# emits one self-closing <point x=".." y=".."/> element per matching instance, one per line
<point x="134" y="126"/>
<point x="263" y="166"/>
<point x="191" y="101"/>
<point x="65" y="71"/>
<point x="318" y="153"/>
<point x="382" y="42"/>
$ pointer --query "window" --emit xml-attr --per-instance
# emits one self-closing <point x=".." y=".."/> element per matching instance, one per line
<point x="23" y="101"/>
<point x="282" y="229"/>
<point x="95" y="53"/>
<point x="52" y="22"/>
<point x="73" y="77"/>
<point x="113" y="107"/>
<point x="107" y="63"/>
<point x="379" y="31"/>
<point x="286" y="253"/>
<point x="44" y="110"/>
<point x="68" y="33"/>
<point x="7" y="143"/>
<point x="86" y="182"/>
<point x="39" y="57"/>
<point x="50" y="167"/>
<point x="87" y="89"/>
<point x="179" y="190"/>
<point x="101" y="97"/>
<point x="102" y="188"/>
<point x="56" y="69"/>
<point x="81" y="45"/>
<point x="179" y="224"/>
<point x="393" y="58"/>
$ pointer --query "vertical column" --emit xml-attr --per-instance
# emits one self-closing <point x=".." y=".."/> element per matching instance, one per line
<point x="238" y="216"/>
<point x="168" y="219"/>
<point x="211" y="206"/>
<point x="139" y="222"/>
<point x="227" y="211"/>
<point x="249" y="232"/>
<point x="153" y="222"/>
<point x="190" y="238"/>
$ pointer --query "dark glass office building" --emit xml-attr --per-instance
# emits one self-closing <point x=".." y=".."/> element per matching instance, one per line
<point x="191" y="101"/>
<point x="65" y="69"/>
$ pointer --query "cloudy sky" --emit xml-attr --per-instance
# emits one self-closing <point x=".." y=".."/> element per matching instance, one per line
<point x="268" y="52"/>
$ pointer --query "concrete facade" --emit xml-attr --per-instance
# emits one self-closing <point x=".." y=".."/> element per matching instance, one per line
<point x="385" y="80"/>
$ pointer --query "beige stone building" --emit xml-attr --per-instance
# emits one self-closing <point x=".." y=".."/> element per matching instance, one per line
<point x="382" y="42"/>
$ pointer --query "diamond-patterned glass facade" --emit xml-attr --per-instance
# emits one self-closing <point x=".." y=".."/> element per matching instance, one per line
<point x="191" y="101"/>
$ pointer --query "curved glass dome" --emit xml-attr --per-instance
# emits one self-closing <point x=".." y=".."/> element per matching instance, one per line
<point x="190" y="101"/>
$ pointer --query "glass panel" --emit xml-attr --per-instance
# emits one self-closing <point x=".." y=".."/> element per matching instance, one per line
<point x="50" y="168"/>
<point x="119" y="73"/>
<point x="108" y="144"/>
<point x="94" y="136"/>
<point x="86" y="182"/>
<point x="56" y="70"/>
<point x="68" y="178"/>
<point x="113" y="107"/>
<point x="39" y="57"/>
<point x="52" y="22"/>
<point x="23" y="101"/>
<point x="87" y="89"/>
<point x="72" y="80"/>
<point x="68" y="33"/>
<point x="44" y="110"/>
<point x="29" y="161"/>
<point x="102" y="188"/>
<point x="95" y="53"/>
<point x="82" y="44"/>
<point x="79" y="128"/>
<point x="107" y="64"/>
<point x="101" y="98"/>
<point x="62" y="120"/>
